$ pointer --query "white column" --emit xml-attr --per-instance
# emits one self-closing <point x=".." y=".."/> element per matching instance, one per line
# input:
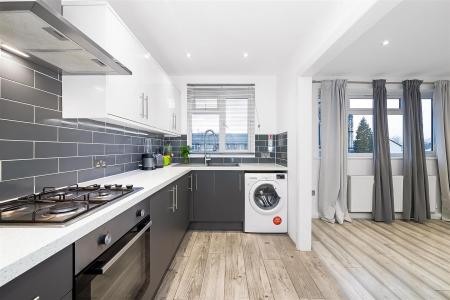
<point x="303" y="166"/>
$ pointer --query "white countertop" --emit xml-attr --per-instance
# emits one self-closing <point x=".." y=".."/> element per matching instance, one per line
<point x="23" y="247"/>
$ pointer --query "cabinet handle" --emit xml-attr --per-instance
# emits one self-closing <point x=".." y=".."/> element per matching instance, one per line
<point x="143" y="105"/>
<point x="191" y="182"/>
<point x="196" y="181"/>
<point x="146" y="103"/>
<point x="175" y="123"/>
<point x="37" y="298"/>
<point x="172" y="190"/>
<point x="176" y="196"/>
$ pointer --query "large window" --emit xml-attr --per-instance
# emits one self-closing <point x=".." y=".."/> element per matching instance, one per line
<point x="229" y="111"/>
<point x="360" y="125"/>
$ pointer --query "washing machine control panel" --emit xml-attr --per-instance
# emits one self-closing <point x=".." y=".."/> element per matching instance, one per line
<point x="281" y="176"/>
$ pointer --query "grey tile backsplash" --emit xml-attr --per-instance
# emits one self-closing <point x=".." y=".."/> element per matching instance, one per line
<point x="262" y="154"/>
<point x="38" y="148"/>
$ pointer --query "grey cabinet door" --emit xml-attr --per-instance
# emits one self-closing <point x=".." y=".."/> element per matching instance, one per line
<point x="229" y="196"/>
<point x="218" y="196"/>
<point x="51" y="279"/>
<point x="161" y="244"/>
<point x="204" y="206"/>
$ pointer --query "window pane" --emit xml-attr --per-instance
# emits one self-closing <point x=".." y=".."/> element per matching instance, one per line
<point x="361" y="103"/>
<point x="236" y="124"/>
<point x="427" y="115"/>
<point x="393" y="103"/>
<point x="395" y="123"/>
<point x="205" y="103"/>
<point x="360" y="133"/>
<point x="201" y="123"/>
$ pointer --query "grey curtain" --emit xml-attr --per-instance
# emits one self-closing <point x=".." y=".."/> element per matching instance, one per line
<point x="441" y="111"/>
<point x="332" y="192"/>
<point x="416" y="205"/>
<point x="383" y="195"/>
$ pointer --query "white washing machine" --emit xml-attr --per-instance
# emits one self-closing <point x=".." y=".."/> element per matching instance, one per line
<point x="265" y="202"/>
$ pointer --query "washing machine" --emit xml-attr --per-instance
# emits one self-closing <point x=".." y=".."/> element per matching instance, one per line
<point x="265" y="202"/>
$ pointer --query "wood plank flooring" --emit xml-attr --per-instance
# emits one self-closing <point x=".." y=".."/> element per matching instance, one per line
<point x="361" y="260"/>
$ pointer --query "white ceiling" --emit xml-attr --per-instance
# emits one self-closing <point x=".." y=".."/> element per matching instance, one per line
<point x="217" y="33"/>
<point x="419" y="36"/>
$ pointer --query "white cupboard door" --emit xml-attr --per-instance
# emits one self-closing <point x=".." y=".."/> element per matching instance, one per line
<point x="123" y="90"/>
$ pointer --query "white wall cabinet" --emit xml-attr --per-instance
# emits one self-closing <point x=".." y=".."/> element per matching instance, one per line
<point x="147" y="99"/>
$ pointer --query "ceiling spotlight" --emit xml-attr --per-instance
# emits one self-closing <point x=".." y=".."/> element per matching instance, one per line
<point x="188" y="55"/>
<point x="14" y="50"/>
<point x="385" y="43"/>
<point x="245" y="54"/>
<point x="147" y="55"/>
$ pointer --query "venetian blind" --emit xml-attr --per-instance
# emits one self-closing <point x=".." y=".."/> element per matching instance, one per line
<point x="229" y="110"/>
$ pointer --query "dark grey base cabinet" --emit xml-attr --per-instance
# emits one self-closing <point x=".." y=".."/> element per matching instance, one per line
<point x="218" y="197"/>
<point x="49" y="280"/>
<point x="169" y="211"/>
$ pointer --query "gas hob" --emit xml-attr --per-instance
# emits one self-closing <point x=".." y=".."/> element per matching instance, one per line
<point x="60" y="206"/>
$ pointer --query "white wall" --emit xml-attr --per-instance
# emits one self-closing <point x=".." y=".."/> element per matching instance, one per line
<point x="265" y="97"/>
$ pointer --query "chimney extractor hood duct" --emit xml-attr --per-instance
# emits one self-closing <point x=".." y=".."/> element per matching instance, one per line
<point x="39" y="31"/>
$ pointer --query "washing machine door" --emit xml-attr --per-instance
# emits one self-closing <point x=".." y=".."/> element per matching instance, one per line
<point x="264" y="197"/>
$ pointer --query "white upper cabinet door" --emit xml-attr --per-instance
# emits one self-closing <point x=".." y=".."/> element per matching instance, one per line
<point x="147" y="98"/>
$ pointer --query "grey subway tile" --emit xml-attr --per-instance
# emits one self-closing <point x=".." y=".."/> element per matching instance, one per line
<point x="25" y="94"/>
<point x="93" y="125"/>
<point x="48" y="84"/>
<point x="131" y="167"/>
<point x="14" y="71"/>
<point x="114" y="149"/>
<point x="90" y="174"/>
<point x="16" y="188"/>
<point x="53" y="117"/>
<point x="55" y="180"/>
<point x="16" y="111"/>
<point x="26" y="168"/>
<point x="75" y="163"/>
<point x="49" y="149"/>
<point x="103" y="138"/>
<point x="109" y="159"/>
<point x="122" y="139"/>
<point x="113" y="170"/>
<point x="10" y="130"/>
<point x="15" y="150"/>
<point x="91" y="149"/>
<point x="74" y="135"/>
<point x="131" y="149"/>
<point x="123" y="159"/>
<point x="27" y="63"/>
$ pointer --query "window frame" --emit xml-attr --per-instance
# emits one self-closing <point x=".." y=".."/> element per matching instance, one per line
<point x="425" y="94"/>
<point x="220" y="110"/>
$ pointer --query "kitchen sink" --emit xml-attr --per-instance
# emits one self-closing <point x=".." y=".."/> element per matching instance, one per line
<point x="223" y="164"/>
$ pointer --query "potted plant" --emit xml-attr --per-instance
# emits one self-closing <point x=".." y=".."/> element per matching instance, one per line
<point x="185" y="151"/>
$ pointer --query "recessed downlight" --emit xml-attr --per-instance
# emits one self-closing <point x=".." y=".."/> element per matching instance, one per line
<point x="188" y="55"/>
<point x="14" y="50"/>
<point x="245" y="54"/>
<point x="385" y="43"/>
<point x="147" y="55"/>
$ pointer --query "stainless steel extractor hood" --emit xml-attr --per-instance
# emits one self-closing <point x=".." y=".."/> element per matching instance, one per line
<point x="40" y="31"/>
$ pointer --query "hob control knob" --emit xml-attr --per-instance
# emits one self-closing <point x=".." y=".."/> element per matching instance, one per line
<point x="118" y="186"/>
<point x="140" y="213"/>
<point x="105" y="239"/>
<point x="107" y="186"/>
<point x="129" y="186"/>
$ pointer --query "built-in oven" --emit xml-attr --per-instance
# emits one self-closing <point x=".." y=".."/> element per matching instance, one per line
<point x="122" y="270"/>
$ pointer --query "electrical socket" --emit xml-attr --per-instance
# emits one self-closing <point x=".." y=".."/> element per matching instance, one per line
<point x="100" y="163"/>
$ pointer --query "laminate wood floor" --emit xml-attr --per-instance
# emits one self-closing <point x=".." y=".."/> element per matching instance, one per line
<point x="361" y="260"/>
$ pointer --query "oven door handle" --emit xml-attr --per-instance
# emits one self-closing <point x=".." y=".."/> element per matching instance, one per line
<point x="105" y="267"/>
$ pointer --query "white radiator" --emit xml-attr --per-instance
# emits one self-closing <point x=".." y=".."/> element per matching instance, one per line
<point x="360" y="193"/>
